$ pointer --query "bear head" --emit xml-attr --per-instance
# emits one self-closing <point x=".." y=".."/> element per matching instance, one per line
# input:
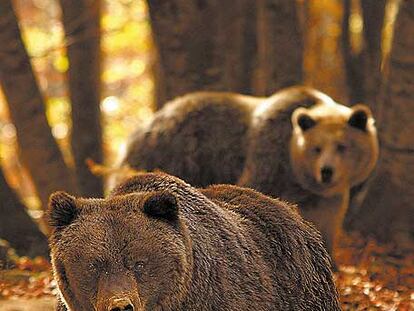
<point x="332" y="147"/>
<point x="128" y="252"/>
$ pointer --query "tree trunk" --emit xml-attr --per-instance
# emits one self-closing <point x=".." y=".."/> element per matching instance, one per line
<point x="373" y="12"/>
<point x="323" y="62"/>
<point x="82" y="27"/>
<point x="363" y="69"/>
<point x="17" y="227"/>
<point x="39" y="150"/>
<point x="280" y="46"/>
<point x="200" y="45"/>
<point x="387" y="213"/>
<point x="214" y="45"/>
<point x="240" y="46"/>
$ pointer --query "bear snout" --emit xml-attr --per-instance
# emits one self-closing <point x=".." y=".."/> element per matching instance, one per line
<point x="327" y="173"/>
<point x="120" y="304"/>
<point x="118" y="292"/>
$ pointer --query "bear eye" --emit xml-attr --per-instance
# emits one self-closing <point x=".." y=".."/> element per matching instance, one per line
<point x="96" y="266"/>
<point x="317" y="150"/>
<point x="139" y="267"/>
<point x="341" y="148"/>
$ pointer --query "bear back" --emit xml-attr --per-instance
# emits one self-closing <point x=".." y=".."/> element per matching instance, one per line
<point x="200" y="137"/>
<point x="238" y="232"/>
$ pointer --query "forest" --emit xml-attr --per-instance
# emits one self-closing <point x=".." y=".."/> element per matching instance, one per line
<point x="77" y="77"/>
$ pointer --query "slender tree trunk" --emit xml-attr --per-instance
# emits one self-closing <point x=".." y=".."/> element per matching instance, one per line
<point x="388" y="212"/>
<point x="373" y="12"/>
<point x="201" y="45"/>
<point x="353" y="61"/>
<point x="17" y="227"/>
<point x="82" y="27"/>
<point x="38" y="149"/>
<point x="280" y="46"/>
<point x="323" y="62"/>
<point x="363" y="69"/>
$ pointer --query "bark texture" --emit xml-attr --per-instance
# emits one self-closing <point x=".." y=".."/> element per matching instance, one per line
<point x="192" y="39"/>
<point x="17" y="227"/>
<point x="280" y="46"/>
<point x="363" y="68"/>
<point x="38" y="149"/>
<point x="214" y="45"/>
<point x="373" y="13"/>
<point x="82" y="27"/>
<point x="387" y="213"/>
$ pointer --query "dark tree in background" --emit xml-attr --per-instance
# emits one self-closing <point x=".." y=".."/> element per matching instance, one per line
<point x="280" y="46"/>
<point x="18" y="227"/>
<point x="388" y="211"/>
<point x="240" y="46"/>
<point x="363" y="68"/>
<point x="82" y="28"/>
<point x="38" y="149"/>
<point x="201" y="46"/>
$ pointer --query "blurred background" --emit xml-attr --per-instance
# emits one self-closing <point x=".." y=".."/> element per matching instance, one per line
<point x="78" y="76"/>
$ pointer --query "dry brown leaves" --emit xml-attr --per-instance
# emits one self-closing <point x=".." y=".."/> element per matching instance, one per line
<point x="371" y="277"/>
<point x="30" y="278"/>
<point x="374" y="277"/>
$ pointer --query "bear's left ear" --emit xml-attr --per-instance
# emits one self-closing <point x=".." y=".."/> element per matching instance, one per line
<point x="359" y="117"/>
<point x="62" y="210"/>
<point x="161" y="205"/>
<point x="301" y="118"/>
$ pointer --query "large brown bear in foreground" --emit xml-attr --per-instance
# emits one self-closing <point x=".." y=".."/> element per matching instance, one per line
<point x="298" y="145"/>
<point x="156" y="243"/>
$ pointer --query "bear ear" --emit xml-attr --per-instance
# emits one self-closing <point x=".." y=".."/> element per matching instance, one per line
<point x="359" y="117"/>
<point x="301" y="118"/>
<point x="161" y="205"/>
<point x="62" y="210"/>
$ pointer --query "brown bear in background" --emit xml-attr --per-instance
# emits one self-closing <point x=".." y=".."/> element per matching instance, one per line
<point x="156" y="243"/>
<point x="322" y="151"/>
<point x="298" y="145"/>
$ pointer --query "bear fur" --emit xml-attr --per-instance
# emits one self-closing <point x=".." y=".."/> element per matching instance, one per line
<point x="208" y="138"/>
<point x="157" y="243"/>
<point x="200" y="137"/>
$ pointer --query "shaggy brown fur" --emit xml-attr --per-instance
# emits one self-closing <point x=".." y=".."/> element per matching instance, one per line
<point x="156" y="243"/>
<point x="200" y="137"/>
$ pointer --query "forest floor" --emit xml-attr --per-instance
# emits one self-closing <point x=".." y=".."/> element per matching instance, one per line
<point x="370" y="277"/>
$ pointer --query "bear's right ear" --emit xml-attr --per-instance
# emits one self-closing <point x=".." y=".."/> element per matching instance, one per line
<point x="161" y="205"/>
<point x="360" y="116"/>
<point x="62" y="210"/>
<point x="301" y="118"/>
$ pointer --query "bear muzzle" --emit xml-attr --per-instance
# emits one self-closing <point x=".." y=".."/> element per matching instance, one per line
<point x="327" y="173"/>
<point x="118" y="292"/>
<point x="120" y="304"/>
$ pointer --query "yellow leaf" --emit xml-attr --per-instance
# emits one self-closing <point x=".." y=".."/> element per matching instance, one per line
<point x="61" y="63"/>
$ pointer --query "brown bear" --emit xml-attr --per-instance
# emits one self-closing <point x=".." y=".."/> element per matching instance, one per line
<point x="314" y="157"/>
<point x="297" y="144"/>
<point x="157" y="243"/>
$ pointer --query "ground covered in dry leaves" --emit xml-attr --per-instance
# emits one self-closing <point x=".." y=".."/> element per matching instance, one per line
<point x="374" y="277"/>
<point x="370" y="277"/>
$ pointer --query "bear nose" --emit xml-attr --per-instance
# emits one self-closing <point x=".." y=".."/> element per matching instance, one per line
<point x="326" y="174"/>
<point x="120" y="304"/>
